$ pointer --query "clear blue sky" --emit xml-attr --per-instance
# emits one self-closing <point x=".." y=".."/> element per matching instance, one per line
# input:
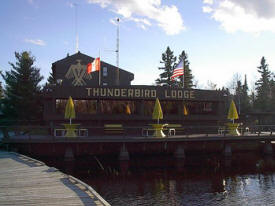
<point x="221" y="37"/>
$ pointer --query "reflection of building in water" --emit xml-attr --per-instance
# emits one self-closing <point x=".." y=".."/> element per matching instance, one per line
<point x="105" y="101"/>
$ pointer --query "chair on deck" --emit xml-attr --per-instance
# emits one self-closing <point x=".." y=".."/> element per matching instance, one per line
<point x="146" y="129"/>
<point x="222" y="130"/>
<point x="113" y="129"/>
<point x="174" y="128"/>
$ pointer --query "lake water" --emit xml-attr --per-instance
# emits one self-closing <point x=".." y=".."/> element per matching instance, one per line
<point x="244" y="179"/>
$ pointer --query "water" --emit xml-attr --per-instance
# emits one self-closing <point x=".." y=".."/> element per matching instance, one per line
<point x="245" y="179"/>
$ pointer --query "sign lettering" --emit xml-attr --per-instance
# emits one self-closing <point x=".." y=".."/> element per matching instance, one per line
<point x="176" y="94"/>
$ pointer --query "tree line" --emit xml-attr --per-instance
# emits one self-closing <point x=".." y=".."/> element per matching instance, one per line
<point x="259" y="100"/>
<point x="248" y="101"/>
<point x="21" y="95"/>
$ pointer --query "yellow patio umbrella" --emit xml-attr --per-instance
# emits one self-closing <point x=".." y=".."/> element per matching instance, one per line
<point x="128" y="110"/>
<point x="157" y="113"/>
<point x="232" y="113"/>
<point x="69" y="110"/>
<point x="185" y="111"/>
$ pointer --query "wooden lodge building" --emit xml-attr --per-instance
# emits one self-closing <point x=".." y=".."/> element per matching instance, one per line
<point x="115" y="100"/>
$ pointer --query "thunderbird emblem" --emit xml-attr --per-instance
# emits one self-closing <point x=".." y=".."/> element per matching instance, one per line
<point x="78" y="72"/>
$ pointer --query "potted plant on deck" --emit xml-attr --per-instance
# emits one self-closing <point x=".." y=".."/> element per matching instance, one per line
<point x="232" y="115"/>
<point x="70" y="114"/>
<point x="157" y="114"/>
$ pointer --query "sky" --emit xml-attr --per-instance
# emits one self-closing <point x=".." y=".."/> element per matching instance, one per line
<point x="221" y="37"/>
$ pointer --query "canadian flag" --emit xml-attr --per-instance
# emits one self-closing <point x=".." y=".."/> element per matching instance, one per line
<point x="94" y="66"/>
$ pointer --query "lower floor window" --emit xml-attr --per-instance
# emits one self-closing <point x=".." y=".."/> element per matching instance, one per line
<point x="118" y="107"/>
<point x="81" y="106"/>
<point x="146" y="107"/>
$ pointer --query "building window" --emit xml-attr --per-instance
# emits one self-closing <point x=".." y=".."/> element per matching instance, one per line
<point x="202" y="108"/>
<point x="60" y="105"/>
<point x="118" y="107"/>
<point x="105" y="72"/>
<point x="169" y="107"/>
<point x="85" y="106"/>
<point x="148" y="108"/>
<point x="81" y="106"/>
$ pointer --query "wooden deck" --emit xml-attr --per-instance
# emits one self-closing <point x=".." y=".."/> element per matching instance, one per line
<point x="25" y="181"/>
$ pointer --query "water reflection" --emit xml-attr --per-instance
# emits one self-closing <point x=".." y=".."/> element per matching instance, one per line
<point x="243" y="179"/>
<point x="124" y="167"/>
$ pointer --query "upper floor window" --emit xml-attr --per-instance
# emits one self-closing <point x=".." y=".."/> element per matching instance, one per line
<point x="105" y="72"/>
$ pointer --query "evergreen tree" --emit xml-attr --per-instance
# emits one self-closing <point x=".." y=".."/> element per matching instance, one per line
<point x="253" y="99"/>
<point x="188" y="77"/>
<point x="237" y="96"/>
<point x="245" y="100"/>
<point x="272" y="93"/>
<point x="1" y="88"/>
<point x="1" y="91"/>
<point x="263" y="87"/>
<point x="22" y="92"/>
<point x="51" y="80"/>
<point x="241" y="97"/>
<point x="168" y="59"/>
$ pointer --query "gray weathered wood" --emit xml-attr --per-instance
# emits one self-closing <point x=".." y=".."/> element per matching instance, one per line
<point x="25" y="181"/>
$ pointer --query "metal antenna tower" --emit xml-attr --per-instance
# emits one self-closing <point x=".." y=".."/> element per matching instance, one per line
<point x="117" y="54"/>
<point x="76" y="31"/>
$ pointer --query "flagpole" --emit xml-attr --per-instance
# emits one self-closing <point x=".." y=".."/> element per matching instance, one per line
<point x="99" y="72"/>
<point x="183" y="73"/>
<point x="76" y="31"/>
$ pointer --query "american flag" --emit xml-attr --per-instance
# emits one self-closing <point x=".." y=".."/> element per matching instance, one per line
<point x="178" y="71"/>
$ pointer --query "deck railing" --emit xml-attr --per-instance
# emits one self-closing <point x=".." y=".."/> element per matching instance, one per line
<point x="32" y="132"/>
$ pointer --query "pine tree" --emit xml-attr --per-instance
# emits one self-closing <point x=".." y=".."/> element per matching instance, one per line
<point x="188" y="77"/>
<point x="263" y="87"/>
<point x="1" y="88"/>
<point x="1" y="91"/>
<point x="241" y="98"/>
<point x="51" y="80"/>
<point x="237" y="96"/>
<point x="253" y="99"/>
<point x="22" y="100"/>
<point x="272" y="93"/>
<point x="168" y="59"/>
<point x="245" y="100"/>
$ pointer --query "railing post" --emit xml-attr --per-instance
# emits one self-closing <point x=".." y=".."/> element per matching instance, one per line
<point x="179" y="153"/>
<point x="124" y="154"/>
<point x="227" y="152"/>
<point x="268" y="150"/>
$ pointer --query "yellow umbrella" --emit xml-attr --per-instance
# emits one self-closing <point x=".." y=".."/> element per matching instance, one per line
<point x="232" y="113"/>
<point x="185" y="111"/>
<point x="69" y="110"/>
<point x="128" y="110"/>
<point x="157" y="113"/>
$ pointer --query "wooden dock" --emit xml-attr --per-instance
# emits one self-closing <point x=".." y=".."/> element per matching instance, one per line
<point x="26" y="181"/>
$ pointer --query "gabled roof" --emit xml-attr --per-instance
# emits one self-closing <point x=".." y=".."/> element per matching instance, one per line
<point x="78" y="54"/>
<point x="82" y="56"/>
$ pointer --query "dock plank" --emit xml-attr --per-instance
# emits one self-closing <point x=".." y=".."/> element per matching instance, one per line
<point x="25" y="181"/>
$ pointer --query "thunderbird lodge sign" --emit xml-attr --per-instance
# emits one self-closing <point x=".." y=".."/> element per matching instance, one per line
<point x="132" y="92"/>
<point x="144" y="93"/>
